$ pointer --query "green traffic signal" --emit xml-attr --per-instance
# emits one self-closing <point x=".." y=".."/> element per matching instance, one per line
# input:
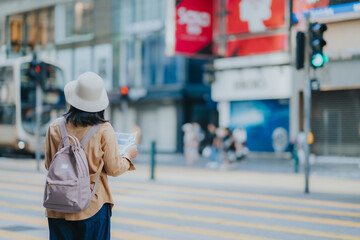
<point x="317" y="43"/>
<point x="317" y="60"/>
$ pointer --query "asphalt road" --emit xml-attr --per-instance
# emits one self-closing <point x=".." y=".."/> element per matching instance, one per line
<point x="194" y="203"/>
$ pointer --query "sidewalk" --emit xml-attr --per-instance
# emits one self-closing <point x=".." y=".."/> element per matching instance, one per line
<point x="264" y="163"/>
<point x="256" y="174"/>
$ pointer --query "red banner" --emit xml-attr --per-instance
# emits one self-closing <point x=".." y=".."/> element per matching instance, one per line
<point x="248" y="16"/>
<point x="194" y="23"/>
<point x="256" y="45"/>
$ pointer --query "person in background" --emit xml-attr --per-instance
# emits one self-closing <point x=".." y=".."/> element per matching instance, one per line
<point x="228" y="145"/>
<point x="301" y="141"/>
<point x="191" y="142"/>
<point x="240" y="136"/>
<point x="136" y="128"/>
<point x="212" y="145"/>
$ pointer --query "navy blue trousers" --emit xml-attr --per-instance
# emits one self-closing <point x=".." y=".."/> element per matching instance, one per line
<point x="96" y="227"/>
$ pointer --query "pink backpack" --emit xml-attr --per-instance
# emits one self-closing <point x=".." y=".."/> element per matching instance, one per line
<point x="67" y="186"/>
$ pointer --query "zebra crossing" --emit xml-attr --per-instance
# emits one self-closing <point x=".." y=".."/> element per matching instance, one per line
<point x="151" y="210"/>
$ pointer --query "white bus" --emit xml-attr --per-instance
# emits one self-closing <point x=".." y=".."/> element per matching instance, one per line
<point x="18" y="100"/>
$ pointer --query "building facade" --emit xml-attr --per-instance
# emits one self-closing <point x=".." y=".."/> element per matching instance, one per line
<point x="335" y="117"/>
<point x="124" y="42"/>
<point x="264" y="92"/>
<point x="253" y="83"/>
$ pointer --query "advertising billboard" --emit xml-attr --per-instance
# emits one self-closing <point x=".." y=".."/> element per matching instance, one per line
<point x="249" y="16"/>
<point x="245" y="17"/>
<point x="256" y="45"/>
<point x="193" y="35"/>
<point x="324" y="8"/>
<point x="266" y="123"/>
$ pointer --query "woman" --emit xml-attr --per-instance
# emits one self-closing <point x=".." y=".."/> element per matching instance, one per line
<point x="88" y="99"/>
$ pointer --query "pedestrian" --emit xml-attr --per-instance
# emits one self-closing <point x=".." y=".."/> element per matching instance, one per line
<point x="212" y="145"/>
<point x="240" y="136"/>
<point x="228" y="145"/>
<point x="191" y="142"/>
<point x="88" y="99"/>
<point x="301" y="141"/>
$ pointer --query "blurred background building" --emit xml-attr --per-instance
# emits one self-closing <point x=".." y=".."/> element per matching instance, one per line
<point x="248" y="62"/>
<point x="124" y="42"/>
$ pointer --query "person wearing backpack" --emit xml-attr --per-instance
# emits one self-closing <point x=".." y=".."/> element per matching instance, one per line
<point x="81" y="151"/>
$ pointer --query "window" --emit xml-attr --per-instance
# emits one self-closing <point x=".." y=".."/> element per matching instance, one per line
<point x="46" y="27"/>
<point x="143" y="63"/>
<point x="79" y="19"/>
<point x="2" y="31"/>
<point x="6" y="85"/>
<point x="128" y="12"/>
<point x="7" y="91"/>
<point x="31" y="29"/>
<point x="16" y="24"/>
<point x="142" y="50"/>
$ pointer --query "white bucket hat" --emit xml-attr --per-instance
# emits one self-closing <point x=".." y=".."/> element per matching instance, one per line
<point x="87" y="93"/>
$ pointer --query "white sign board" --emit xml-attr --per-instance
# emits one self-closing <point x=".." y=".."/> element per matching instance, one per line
<point x="253" y="83"/>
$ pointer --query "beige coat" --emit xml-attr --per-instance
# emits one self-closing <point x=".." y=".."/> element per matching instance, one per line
<point x="103" y="157"/>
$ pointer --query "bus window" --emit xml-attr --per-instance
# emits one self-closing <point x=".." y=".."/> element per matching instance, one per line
<point x="52" y="97"/>
<point x="7" y="99"/>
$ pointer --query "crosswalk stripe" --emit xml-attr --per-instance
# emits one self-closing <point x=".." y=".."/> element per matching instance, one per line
<point x="153" y="224"/>
<point x="237" y="194"/>
<point x="131" y="236"/>
<point x="18" y="218"/>
<point x="291" y="230"/>
<point x="216" y="200"/>
<point x="254" y="204"/>
<point x="33" y="179"/>
<point x="208" y="220"/>
<point x="194" y="230"/>
<point x="197" y="190"/>
<point x="218" y="209"/>
<point x="17" y="236"/>
<point x="43" y="222"/>
<point x="270" y="215"/>
<point x="13" y="186"/>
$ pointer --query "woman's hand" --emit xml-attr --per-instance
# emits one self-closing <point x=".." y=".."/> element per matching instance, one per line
<point x="131" y="152"/>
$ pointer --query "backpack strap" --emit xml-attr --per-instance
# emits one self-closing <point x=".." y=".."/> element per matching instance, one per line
<point x="63" y="132"/>
<point x="95" y="186"/>
<point x="83" y="143"/>
<point x="89" y="134"/>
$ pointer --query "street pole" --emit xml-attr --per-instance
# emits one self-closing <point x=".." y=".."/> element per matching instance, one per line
<point x="307" y="104"/>
<point x="152" y="163"/>
<point x="38" y="123"/>
<point x="223" y="14"/>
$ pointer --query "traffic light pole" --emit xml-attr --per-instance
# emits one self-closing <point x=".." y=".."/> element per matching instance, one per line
<point x="38" y="123"/>
<point x="307" y="104"/>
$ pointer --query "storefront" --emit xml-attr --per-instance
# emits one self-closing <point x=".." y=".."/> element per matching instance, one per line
<point x="336" y="122"/>
<point x="256" y="99"/>
<point x="334" y="117"/>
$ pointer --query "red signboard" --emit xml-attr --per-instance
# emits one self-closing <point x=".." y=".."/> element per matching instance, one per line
<point x="256" y="45"/>
<point x="248" y="16"/>
<point x="194" y="23"/>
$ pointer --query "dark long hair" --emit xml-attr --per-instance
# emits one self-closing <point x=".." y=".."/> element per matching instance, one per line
<point x="82" y="118"/>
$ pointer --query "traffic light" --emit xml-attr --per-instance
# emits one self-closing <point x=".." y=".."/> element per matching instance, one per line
<point x="317" y="43"/>
<point x="124" y="92"/>
<point x="300" y="50"/>
<point x="36" y="71"/>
